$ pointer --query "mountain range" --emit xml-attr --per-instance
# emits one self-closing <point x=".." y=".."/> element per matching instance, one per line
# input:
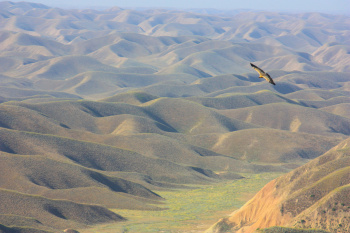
<point x="101" y="109"/>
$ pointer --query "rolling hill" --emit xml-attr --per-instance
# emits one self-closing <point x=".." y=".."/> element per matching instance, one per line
<point x="102" y="109"/>
<point x="293" y="118"/>
<point x="122" y="151"/>
<point x="315" y="195"/>
<point x="55" y="213"/>
<point x="266" y="145"/>
<point x="38" y="41"/>
<point x="339" y="109"/>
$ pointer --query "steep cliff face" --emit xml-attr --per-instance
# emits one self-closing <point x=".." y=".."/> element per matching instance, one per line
<point x="316" y="195"/>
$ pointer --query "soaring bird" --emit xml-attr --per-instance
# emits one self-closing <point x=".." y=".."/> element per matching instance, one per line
<point x="262" y="74"/>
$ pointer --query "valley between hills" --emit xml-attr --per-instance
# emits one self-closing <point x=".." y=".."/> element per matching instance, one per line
<point x="109" y="118"/>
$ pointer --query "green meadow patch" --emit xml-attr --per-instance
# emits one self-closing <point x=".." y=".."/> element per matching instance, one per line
<point x="190" y="209"/>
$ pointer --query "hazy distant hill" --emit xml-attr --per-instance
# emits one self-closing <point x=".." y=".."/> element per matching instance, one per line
<point x="99" y="109"/>
<point x="38" y="43"/>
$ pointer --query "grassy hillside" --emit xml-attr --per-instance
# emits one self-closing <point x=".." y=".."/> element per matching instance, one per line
<point x="267" y="145"/>
<point x="67" y="180"/>
<point x="242" y="100"/>
<point x="314" y="195"/>
<point x="58" y="214"/>
<point x="293" y="118"/>
<point x="338" y="109"/>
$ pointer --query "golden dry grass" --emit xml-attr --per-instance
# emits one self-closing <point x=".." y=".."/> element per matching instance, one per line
<point x="315" y="195"/>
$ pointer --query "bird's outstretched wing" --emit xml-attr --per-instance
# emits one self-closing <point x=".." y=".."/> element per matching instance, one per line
<point x="260" y="71"/>
<point x="269" y="79"/>
<point x="262" y="74"/>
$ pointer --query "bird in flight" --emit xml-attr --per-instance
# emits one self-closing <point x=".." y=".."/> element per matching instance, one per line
<point x="262" y="74"/>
